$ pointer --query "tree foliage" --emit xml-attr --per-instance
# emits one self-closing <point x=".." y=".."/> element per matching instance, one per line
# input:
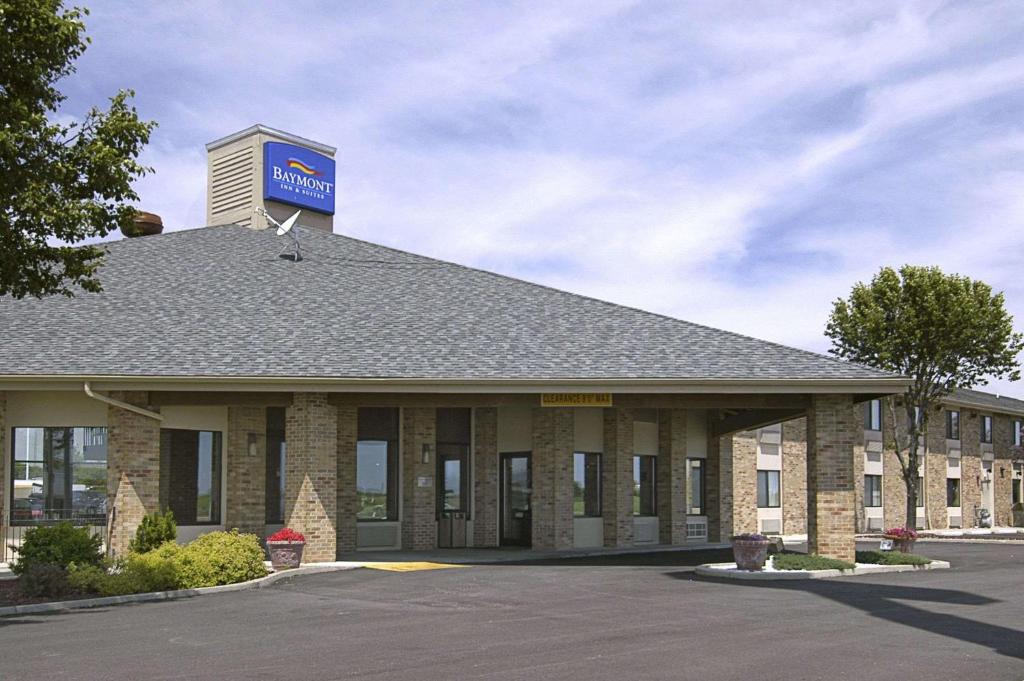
<point x="943" y="331"/>
<point x="62" y="181"/>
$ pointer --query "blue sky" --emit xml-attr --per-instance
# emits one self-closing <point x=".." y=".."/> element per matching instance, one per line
<point x="735" y="164"/>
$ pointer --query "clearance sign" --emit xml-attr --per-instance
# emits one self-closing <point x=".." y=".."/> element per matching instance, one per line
<point x="576" y="399"/>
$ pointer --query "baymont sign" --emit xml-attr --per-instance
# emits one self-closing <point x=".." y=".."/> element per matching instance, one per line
<point x="298" y="176"/>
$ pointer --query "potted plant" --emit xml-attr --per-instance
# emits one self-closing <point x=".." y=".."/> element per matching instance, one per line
<point x="285" y="548"/>
<point x="1018" y="514"/>
<point x="903" y="538"/>
<point x="750" y="551"/>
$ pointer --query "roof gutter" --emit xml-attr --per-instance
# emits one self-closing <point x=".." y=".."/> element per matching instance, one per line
<point x="119" y="403"/>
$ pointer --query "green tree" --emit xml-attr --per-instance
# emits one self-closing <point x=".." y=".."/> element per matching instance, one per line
<point x="62" y="182"/>
<point x="943" y="331"/>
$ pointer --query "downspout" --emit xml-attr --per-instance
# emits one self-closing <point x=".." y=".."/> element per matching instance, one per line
<point x="129" y="407"/>
<point x="121" y="404"/>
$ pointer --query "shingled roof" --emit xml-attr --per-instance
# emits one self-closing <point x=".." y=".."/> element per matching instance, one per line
<point x="220" y="302"/>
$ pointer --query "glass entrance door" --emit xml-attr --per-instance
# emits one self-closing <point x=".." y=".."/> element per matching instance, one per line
<point x="516" y="516"/>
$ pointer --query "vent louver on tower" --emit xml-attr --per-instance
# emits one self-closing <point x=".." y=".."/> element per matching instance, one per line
<point x="231" y="183"/>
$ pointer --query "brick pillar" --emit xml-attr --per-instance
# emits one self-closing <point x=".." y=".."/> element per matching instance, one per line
<point x="348" y="501"/>
<point x="713" y="485"/>
<point x="5" y="453"/>
<point x="245" y="466"/>
<point x="311" y="474"/>
<point x="617" y="477"/>
<point x="739" y="462"/>
<point x="552" y="478"/>
<point x="970" y="464"/>
<point x="419" y="521"/>
<point x="860" y="522"/>
<point x="830" y="485"/>
<point x="133" y="469"/>
<point x="1002" y="471"/>
<point x="894" y="490"/>
<point x="485" y="476"/>
<point x="936" y="461"/>
<point x="794" y="476"/>
<point x="671" y="472"/>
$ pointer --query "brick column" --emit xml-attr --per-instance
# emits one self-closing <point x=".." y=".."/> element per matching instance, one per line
<point x="671" y="472"/>
<point x="5" y="454"/>
<point x="739" y="471"/>
<point x="894" y="490"/>
<point x="794" y="476"/>
<point x="1002" y="471"/>
<point x="551" y="501"/>
<point x="859" y="449"/>
<point x="617" y="477"/>
<point x="311" y="474"/>
<point x="970" y="464"/>
<point x="713" y="487"/>
<point x="133" y="469"/>
<point x="419" y="521"/>
<point x="485" y="476"/>
<point x="830" y="485"/>
<point x="348" y="501"/>
<point x="245" y="466"/>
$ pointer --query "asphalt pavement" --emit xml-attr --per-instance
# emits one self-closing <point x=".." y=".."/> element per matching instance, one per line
<point x="636" y="617"/>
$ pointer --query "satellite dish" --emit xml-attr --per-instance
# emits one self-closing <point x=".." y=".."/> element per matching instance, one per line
<point x="287" y="225"/>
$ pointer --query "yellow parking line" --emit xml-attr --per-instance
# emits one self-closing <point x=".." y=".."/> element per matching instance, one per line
<point x="411" y="567"/>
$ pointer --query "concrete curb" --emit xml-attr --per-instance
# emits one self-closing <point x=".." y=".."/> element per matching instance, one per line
<point x="728" y="571"/>
<point x="81" y="603"/>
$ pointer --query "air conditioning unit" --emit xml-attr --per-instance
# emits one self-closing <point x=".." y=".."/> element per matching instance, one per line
<point x="771" y="526"/>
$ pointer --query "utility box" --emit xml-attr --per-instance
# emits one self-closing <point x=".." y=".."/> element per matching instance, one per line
<point x="452" y="530"/>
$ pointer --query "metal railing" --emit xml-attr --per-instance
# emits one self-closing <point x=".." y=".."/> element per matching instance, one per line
<point x="15" y="523"/>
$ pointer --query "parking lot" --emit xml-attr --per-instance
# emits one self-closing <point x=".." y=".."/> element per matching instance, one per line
<point x="632" y="617"/>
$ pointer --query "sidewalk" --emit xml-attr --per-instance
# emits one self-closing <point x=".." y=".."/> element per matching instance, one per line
<point x="512" y="555"/>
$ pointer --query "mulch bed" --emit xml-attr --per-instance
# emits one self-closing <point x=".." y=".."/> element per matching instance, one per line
<point x="10" y="594"/>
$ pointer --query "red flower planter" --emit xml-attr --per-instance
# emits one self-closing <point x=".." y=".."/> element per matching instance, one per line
<point x="285" y="548"/>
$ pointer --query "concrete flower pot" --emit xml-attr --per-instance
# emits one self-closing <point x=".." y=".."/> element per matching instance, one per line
<point x="750" y="554"/>
<point x="902" y="544"/>
<point x="285" y="554"/>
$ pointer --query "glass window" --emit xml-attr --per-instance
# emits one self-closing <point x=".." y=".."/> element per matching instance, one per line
<point x="695" y="480"/>
<point x="769" y="489"/>
<point x="873" y="491"/>
<point x="190" y="472"/>
<point x="643" y="486"/>
<point x="918" y="493"/>
<point x="952" y="425"/>
<point x="276" y="449"/>
<point x="873" y="415"/>
<point x="952" y="491"/>
<point x="453" y="440"/>
<point x="1016" y="433"/>
<point x="586" y="484"/>
<point x="59" y="473"/>
<point x="377" y="464"/>
<point x="986" y="429"/>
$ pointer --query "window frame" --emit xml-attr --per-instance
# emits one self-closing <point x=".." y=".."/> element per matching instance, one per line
<point x="67" y="511"/>
<point x="985" y="429"/>
<point x="392" y="461"/>
<point x="952" y="424"/>
<point x="702" y="467"/>
<point x="588" y="459"/>
<point x="876" y="490"/>
<point x="767" y="489"/>
<point x="1017" y="434"/>
<point x="873" y="420"/>
<point x="953" y="487"/>
<point x="638" y="486"/>
<point x="217" y="496"/>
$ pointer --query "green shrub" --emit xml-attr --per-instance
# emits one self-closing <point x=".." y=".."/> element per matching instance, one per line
<point x="133" y="574"/>
<point x="891" y="558"/>
<point x="44" y="580"/>
<point x="60" y="545"/>
<point x="219" y="558"/>
<point x="155" y="530"/>
<point x="802" y="561"/>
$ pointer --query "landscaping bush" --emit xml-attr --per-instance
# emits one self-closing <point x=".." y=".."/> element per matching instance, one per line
<point x="891" y="558"/>
<point x="155" y="530"/>
<point x="136" y="573"/>
<point x="44" y="580"/>
<point x="60" y="545"/>
<point x="803" y="561"/>
<point x="219" y="558"/>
